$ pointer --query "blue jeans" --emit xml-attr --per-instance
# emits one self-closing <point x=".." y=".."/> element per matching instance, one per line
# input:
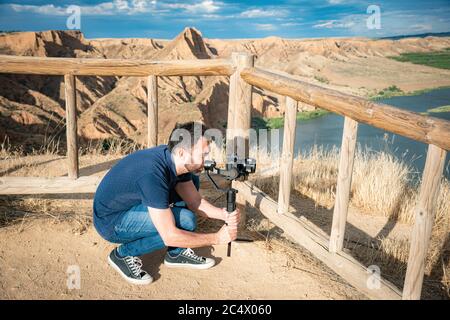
<point x="138" y="235"/>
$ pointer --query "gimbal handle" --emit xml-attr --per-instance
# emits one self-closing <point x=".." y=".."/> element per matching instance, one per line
<point x="231" y="197"/>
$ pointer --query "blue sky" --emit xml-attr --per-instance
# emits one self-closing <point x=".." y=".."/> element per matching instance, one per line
<point x="231" y="18"/>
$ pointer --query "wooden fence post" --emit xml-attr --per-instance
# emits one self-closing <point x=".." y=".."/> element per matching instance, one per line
<point x="71" y="125"/>
<point x="239" y="105"/>
<point x="344" y="183"/>
<point x="152" y="110"/>
<point x="425" y="212"/>
<point x="239" y="116"/>
<point x="287" y="155"/>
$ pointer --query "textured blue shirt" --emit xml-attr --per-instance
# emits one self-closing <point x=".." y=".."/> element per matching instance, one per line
<point x="144" y="177"/>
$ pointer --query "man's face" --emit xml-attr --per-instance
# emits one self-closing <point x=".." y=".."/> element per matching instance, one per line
<point x="194" y="160"/>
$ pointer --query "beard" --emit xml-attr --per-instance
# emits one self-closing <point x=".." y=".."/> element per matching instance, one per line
<point x="194" y="168"/>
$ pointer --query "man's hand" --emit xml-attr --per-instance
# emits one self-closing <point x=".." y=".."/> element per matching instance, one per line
<point x="227" y="215"/>
<point x="228" y="232"/>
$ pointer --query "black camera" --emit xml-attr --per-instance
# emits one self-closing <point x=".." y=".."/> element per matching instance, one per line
<point x="235" y="168"/>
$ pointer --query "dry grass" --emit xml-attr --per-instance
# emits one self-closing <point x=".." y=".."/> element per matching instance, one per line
<point x="111" y="147"/>
<point x="382" y="185"/>
<point x="40" y="162"/>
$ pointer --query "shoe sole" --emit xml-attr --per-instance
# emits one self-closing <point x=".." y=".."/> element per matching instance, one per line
<point x="129" y="280"/>
<point x="190" y="266"/>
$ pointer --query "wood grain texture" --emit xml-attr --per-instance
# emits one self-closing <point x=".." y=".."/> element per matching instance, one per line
<point x="71" y="125"/>
<point x="114" y="67"/>
<point x="239" y="107"/>
<point x="243" y="105"/>
<point x="412" y="125"/>
<point x="33" y="185"/>
<point x="152" y="111"/>
<point x="425" y="212"/>
<point x="344" y="183"/>
<point x="287" y="155"/>
<point x="315" y="240"/>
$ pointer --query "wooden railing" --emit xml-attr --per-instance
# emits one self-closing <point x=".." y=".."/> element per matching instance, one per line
<point x="71" y="67"/>
<point x="243" y="75"/>
<point x="433" y="131"/>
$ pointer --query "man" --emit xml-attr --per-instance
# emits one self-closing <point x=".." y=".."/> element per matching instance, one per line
<point x="150" y="199"/>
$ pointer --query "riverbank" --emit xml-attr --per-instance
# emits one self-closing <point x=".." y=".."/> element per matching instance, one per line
<point x="437" y="110"/>
<point x="435" y="59"/>
<point x="389" y="92"/>
<point x="278" y="122"/>
<point x="394" y="91"/>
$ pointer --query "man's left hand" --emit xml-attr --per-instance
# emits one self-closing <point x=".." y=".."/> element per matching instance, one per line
<point x="235" y="216"/>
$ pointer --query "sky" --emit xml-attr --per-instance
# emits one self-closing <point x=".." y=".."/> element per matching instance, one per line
<point x="229" y="19"/>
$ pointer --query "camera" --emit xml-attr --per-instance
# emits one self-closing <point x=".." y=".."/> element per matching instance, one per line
<point x="235" y="168"/>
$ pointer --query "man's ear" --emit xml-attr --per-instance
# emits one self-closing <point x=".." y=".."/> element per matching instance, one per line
<point x="180" y="152"/>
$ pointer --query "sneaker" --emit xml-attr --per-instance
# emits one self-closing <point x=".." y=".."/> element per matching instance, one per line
<point x="188" y="259"/>
<point x="129" y="268"/>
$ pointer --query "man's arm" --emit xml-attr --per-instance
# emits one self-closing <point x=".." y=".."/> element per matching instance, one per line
<point x="164" y="222"/>
<point x="197" y="204"/>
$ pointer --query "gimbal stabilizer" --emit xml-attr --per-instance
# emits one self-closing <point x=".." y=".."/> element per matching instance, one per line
<point x="234" y="169"/>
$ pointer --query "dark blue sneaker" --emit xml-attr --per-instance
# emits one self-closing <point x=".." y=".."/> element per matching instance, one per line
<point x="188" y="259"/>
<point x="129" y="268"/>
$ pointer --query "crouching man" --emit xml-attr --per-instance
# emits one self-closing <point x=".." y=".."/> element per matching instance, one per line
<point x="150" y="199"/>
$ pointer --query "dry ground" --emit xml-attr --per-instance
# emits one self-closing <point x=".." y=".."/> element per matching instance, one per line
<point x="34" y="261"/>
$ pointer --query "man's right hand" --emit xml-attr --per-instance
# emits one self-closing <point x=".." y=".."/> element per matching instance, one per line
<point x="228" y="232"/>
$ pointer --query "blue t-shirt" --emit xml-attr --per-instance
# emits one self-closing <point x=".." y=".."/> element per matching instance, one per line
<point x="145" y="177"/>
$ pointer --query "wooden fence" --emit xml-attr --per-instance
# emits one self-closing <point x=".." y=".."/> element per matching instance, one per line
<point x="243" y="75"/>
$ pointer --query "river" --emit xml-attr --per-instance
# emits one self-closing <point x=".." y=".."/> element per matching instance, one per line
<point x="327" y="131"/>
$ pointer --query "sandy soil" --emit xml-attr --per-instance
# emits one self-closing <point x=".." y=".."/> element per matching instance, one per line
<point x="34" y="261"/>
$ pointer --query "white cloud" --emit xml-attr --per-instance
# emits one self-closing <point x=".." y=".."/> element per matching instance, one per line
<point x="48" y="9"/>
<point x="121" y="4"/>
<point x="259" y="13"/>
<point x="331" y="24"/>
<point x="392" y="23"/>
<point x="205" y="6"/>
<point x="290" y="24"/>
<point x="104" y="8"/>
<point x="265" y="26"/>
<point x="212" y="16"/>
<point x="336" y="1"/>
<point x="422" y="27"/>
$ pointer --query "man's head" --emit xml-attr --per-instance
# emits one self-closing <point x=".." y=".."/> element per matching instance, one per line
<point x="189" y="146"/>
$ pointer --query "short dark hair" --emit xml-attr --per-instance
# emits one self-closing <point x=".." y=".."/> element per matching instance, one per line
<point x="195" y="129"/>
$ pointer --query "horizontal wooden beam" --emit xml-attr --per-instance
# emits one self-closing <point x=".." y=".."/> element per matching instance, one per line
<point x="36" y="185"/>
<point x="316" y="241"/>
<point x="114" y="67"/>
<point x="410" y="124"/>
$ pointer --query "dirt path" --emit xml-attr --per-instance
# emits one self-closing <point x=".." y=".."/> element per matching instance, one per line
<point x="34" y="259"/>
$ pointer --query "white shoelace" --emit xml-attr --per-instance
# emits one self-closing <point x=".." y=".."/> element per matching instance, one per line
<point x="135" y="265"/>
<point x="190" y="253"/>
